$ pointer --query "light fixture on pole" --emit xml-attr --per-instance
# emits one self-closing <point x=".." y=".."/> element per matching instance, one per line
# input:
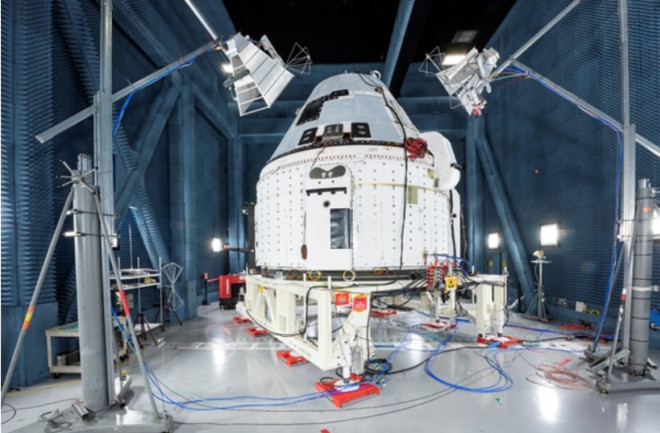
<point x="549" y="235"/>
<point x="216" y="245"/>
<point x="493" y="241"/>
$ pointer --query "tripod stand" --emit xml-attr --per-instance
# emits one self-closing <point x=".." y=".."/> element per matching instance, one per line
<point x="170" y="274"/>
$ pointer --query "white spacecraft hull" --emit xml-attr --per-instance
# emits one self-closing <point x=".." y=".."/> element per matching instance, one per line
<point x="334" y="197"/>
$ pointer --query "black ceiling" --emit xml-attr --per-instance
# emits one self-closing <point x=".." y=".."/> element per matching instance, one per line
<point x="355" y="31"/>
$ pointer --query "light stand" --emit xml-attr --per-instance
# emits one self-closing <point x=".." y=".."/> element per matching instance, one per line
<point x="541" y="310"/>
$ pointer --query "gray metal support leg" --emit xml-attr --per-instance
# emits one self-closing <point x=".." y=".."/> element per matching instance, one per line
<point x="641" y="284"/>
<point x="89" y="280"/>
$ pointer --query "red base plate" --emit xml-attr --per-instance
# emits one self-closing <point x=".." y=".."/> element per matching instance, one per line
<point x="290" y="360"/>
<point x="503" y="341"/>
<point x="239" y="319"/>
<point x="382" y="313"/>
<point x="439" y="326"/>
<point x="256" y="332"/>
<point x="340" y="398"/>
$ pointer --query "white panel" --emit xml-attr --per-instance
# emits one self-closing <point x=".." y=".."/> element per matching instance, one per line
<point x="323" y="195"/>
<point x="446" y="173"/>
<point x="377" y="203"/>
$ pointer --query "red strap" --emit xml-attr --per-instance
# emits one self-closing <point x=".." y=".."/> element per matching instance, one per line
<point x="416" y="147"/>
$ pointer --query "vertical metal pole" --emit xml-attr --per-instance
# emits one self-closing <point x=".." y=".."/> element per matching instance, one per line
<point x="35" y="295"/>
<point x="103" y="120"/>
<point x="104" y="169"/>
<point x="130" y="246"/>
<point x="89" y="282"/>
<point x="628" y="169"/>
<point x="540" y="307"/>
<point x="640" y="306"/>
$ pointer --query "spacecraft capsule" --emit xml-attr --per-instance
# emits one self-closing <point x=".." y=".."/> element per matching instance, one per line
<point x="342" y="191"/>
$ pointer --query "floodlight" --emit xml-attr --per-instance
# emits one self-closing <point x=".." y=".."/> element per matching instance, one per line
<point x="549" y="235"/>
<point x="216" y="245"/>
<point x="226" y="68"/>
<point x="493" y="241"/>
<point x="452" y="59"/>
<point x="258" y="74"/>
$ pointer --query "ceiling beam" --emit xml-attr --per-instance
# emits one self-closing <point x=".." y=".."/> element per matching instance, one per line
<point x="396" y="40"/>
<point x="408" y="40"/>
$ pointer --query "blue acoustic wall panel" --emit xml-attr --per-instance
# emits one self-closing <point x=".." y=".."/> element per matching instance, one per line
<point x="558" y="164"/>
<point x="50" y="70"/>
<point x="27" y="179"/>
<point x="212" y="207"/>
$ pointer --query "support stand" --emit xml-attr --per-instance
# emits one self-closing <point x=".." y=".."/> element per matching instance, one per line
<point x="107" y="415"/>
<point x="170" y="273"/>
<point x="541" y="309"/>
<point x="144" y="328"/>
<point x="629" y="369"/>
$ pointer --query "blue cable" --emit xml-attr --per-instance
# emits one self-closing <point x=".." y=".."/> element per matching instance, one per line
<point x="492" y="361"/>
<point x="456" y="259"/>
<point x="617" y="204"/>
<point x="277" y="401"/>
<point x="120" y="115"/>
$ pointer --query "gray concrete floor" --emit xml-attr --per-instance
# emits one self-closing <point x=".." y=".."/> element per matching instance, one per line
<point x="213" y="357"/>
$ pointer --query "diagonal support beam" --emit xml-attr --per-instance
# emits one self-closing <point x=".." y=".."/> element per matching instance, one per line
<point x="223" y="122"/>
<point x="401" y="21"/>
<point x="236" y="195"/>
<point x="475" y="194"/>
<point x="145" y="144"/>
<point x="408" y="29"/>
<point x="81" y="43"/>
<point x="149" y="231"/>
<point x="505" y="214"/>
<point x="571" y="97"/>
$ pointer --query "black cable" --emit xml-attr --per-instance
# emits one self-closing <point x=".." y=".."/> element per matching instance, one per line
<point x="468" y="380"/>
<point x="13" y="415"/>
<point x="423" y="400"/>
<point x="594" y="346"/>
<point x="565" y="337"/>
<point x="371" y="84"/>
<point x="463" y="232"/>
<point x="419" y="364"/>
<point x="413" y="293"/>
<point x="384" y="367"/>
<point x="451" y="212"/>
<point x="43" y="404"/>
<point x="405" y="178"/>
<point x="399" y="291"/>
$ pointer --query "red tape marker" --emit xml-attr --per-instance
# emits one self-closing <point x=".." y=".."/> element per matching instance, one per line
<point x="124" y="302"/>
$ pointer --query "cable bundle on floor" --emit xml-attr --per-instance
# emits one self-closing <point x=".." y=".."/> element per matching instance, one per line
<point x="556" y="375"/>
